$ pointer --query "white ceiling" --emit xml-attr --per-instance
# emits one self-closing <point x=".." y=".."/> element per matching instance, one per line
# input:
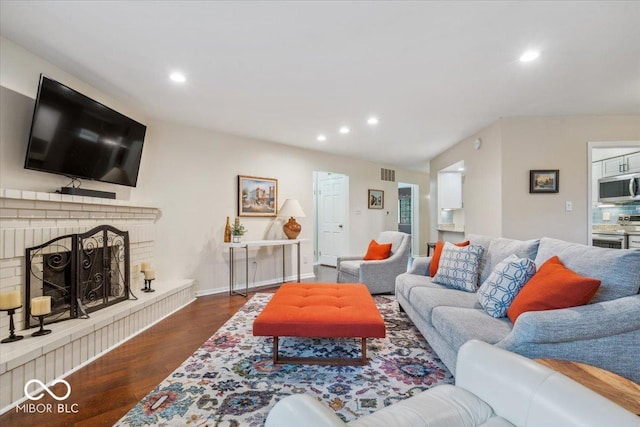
<point x="434" y="72"/>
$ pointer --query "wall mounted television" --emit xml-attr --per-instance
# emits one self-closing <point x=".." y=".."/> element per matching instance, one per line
<point x="76" y="136"/>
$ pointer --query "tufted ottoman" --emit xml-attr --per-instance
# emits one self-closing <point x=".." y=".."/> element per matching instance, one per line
<point x="319" y="310"/>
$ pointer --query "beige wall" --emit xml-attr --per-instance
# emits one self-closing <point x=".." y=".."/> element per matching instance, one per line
<point x="553" y="143"/>
<point x="481" y="193"/>
<point x="191" y="175"/>
<point x="496" y="188"/>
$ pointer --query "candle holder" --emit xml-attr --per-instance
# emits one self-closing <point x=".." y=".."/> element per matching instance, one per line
<point x="147" y="286"/>
<point x="42" y="330"/>
<point x="12" y="336"/>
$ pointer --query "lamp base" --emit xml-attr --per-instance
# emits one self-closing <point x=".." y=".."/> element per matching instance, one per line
<point x="292" y="228"/>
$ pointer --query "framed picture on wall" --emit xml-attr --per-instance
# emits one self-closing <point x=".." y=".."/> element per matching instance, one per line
<point x="257" y="196"/>
<point x="544" y="181"/>
<point x="376" y="199"/>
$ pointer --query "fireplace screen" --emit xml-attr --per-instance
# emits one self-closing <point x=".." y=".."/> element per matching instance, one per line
<point x="81" y="272"/>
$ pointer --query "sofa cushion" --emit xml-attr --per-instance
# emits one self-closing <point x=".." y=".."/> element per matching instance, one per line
<point x="504" y="283"/>
<point x="459" y="267"/>
<point x="377" y="251"/>
<point x="500" y="248"/>
<point x="553" y="286"/>
<point x="459" y="325"/>
<point x="618" y="270"/>
<point x="425" y="299"/>
<point x="437" y="253"/>
<point x="406" y="282"/>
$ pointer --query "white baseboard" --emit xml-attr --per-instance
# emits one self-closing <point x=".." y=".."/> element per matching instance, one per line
<point x="254" y="286"/>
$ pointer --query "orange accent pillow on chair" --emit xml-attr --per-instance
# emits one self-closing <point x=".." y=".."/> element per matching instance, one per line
<point x="553" y="286"/>
<point x="435" y="259"/>
<point x="377" y="251"/>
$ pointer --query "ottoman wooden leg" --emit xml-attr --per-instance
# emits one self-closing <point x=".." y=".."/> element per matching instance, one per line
<point x="275" y="350"/>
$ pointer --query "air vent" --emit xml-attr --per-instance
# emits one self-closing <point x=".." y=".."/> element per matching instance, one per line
<point x="387" y="175"/>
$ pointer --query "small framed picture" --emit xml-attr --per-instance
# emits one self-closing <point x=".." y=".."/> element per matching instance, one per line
<point x="376" y="199"/>
<point x="544" y="181"/>
<point x="257" y="196"/>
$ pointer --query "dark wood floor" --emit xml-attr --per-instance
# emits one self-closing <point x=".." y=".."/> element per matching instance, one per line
<point x="109" y="387"/>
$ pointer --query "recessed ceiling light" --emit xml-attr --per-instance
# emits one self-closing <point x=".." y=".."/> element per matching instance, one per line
<point x="177" y="77"/>
<point x="529" y="55"/>
<point x="321" y="137"/>
<point x="344" y="130"/>
<point x="372" y="121"/>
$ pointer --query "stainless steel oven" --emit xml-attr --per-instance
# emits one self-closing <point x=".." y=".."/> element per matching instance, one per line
<point x="613" y="239"/>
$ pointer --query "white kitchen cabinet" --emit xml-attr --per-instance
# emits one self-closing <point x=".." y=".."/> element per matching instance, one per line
<point x="621" y="165"/>
<point x="596" y="174"/>
<point x="449" y="190"/>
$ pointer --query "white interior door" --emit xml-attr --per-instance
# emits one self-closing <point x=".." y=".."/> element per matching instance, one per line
<point x="332" y="217"/>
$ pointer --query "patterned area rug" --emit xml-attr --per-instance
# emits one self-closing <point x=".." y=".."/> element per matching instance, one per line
<point x="231" y="380"/>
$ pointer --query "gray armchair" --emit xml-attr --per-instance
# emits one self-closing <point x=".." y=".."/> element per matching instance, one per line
<point x="379" y="276"/>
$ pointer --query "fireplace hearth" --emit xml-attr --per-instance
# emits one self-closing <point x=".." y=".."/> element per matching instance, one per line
<point x="82" y="273"/>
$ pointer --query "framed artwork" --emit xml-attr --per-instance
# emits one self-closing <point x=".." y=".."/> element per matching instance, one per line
<point x="376" y="199"/>
<point x="257" y="196"/>
<point x="544" y="181"/>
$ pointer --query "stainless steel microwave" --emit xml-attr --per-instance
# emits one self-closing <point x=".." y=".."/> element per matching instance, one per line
<point x="619" y="189"/>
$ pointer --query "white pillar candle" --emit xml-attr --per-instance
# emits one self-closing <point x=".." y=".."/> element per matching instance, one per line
<point x="144" y="266"/>
<point x="40" y="306"/>
<point x="149" y="274"/>
<point x="9" y="300"/>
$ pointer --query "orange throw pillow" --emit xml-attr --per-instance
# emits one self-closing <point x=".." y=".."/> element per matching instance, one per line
<point x="435" y="259"/>
<point x="377" y="251"/>
<point x="553" y="286"/>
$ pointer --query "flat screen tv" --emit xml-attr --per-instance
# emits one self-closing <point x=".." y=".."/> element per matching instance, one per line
<point x="74" y="135"/>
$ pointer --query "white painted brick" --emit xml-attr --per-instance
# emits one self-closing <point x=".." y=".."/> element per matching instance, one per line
<point x="47" y="205"/>
<point x="10" y="262"/>
<point x="98" y="215"/>
<point x="19" y="204"/>
<point x="68" y="224"/>
<point x="89" y="200"/>
<point x="13" y="194"/>
<point x="84" y="351"/>
<point x="15" y="223"/>
<point x="108" y="208"/>
<point x="32" y="213"/>
<point x="17" y="382"/>
<point x="5" y="389"/>
<point x="8" y="244"/>
<point x="40" y="368"/>
<point x="78" y="214"/>
<point x="46" y="235"/>
<point x="8" y="213"/>
<point x="114" y="215"/>
<point x="55" y="197"/>
<point x="57" y="214"/>
<point x="50" y="367"/>
<point x="28" y="238"/>
<point x="59" y="363"/>
<point x="42" y="196"/>
<point x="67" y="197"/>
<point x="29" y="195"/>
<point x="68" y="357"/>
<point x="19" y="242"/>
<point x="7" y="272"/>
<point x="71" y="207"/>
<point x="76" y="199"/>
<point x="2" y="192"/>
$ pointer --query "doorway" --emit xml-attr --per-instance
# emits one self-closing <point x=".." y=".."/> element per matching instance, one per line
<point x="408" y="213"/>
<point x="331" y="219"/>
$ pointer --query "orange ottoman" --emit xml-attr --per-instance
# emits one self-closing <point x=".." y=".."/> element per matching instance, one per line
<point x="319" y="310"/>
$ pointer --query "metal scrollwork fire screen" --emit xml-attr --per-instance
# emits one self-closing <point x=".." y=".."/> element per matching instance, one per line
<point x="81" y="272"/>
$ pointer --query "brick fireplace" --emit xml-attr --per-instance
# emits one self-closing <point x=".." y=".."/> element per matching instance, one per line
<point x="29" y="219"/>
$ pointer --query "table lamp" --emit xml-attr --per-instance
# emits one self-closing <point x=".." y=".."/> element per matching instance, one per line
<point x="291" y="208"/>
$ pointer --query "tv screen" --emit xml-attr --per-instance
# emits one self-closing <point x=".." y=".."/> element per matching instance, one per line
<point x="74" y="135"/>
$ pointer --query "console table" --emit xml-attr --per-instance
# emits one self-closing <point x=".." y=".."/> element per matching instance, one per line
<point x="257" y="244"/>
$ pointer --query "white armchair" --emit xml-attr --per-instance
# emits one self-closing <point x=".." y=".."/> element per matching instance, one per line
<point x="379" y="276"/>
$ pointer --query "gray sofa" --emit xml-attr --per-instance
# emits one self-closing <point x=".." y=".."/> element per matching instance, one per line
<point x="604" y="333"/>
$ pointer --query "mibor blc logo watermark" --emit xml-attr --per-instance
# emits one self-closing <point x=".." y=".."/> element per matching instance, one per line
<point x="47" y="408"/>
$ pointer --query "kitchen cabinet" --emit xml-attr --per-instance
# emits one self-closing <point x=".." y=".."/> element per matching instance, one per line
<point x="596" y="174"/>
<point x="621" y="165"/>
<point x="449" y="190"/>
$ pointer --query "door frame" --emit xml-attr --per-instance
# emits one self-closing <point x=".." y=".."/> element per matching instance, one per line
<point x="415" y="216"/>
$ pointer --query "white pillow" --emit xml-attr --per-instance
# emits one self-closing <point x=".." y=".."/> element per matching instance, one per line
<point x="459" y="267"/>
<point x="503" y="284"/>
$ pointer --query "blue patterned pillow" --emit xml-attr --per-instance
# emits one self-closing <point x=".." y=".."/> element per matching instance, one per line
<point x="503" y="284"/>
<point x="459" y="267"/>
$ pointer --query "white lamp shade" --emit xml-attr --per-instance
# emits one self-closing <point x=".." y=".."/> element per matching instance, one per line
<point x="291" y="208"/>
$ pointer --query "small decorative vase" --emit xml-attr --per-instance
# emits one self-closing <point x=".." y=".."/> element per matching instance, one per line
<point x="236" y="239"/>
<point x="227" y="232"/>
